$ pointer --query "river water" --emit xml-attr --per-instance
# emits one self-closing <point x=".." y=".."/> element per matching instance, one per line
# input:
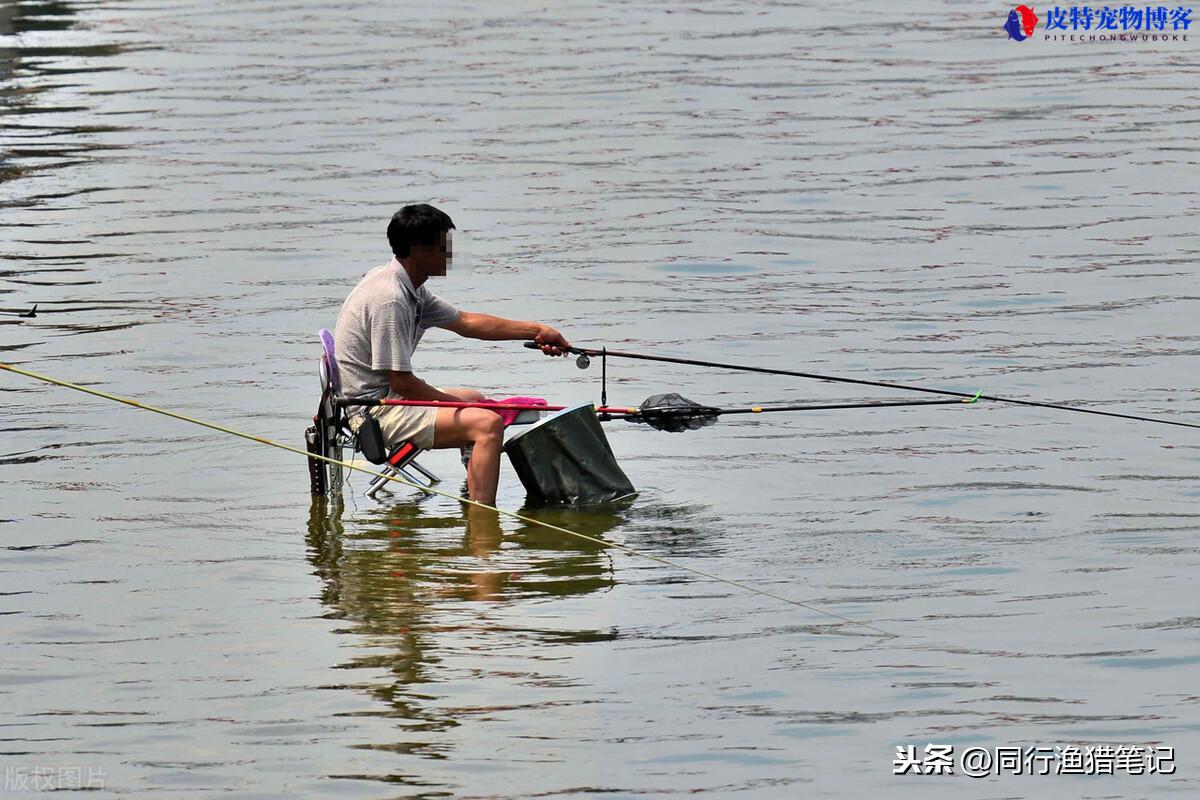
<point x="189" y="190"/>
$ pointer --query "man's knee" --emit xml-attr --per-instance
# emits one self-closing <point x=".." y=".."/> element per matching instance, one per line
<point x="477" y="423"/>
<point x="462" y="426"/>
<point x="488" y="425"/>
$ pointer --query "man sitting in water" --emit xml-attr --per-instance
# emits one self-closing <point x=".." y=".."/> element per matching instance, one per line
<point x="381" y="323"/>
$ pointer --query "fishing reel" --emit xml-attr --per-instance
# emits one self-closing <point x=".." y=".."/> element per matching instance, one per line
<point x="583" y="361"/>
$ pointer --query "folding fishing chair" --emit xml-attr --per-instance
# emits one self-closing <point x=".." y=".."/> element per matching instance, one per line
<point x="330" y="434"/>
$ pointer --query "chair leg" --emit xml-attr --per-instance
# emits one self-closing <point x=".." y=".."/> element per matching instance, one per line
<point x="428" y="475"/>
<point x="378" y="483"/>
<point x="337" y="475"/>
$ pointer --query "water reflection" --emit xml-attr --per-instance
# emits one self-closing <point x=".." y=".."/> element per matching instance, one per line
<point x="33" y="138"/>
<point x="468" y="557"/>
<point x="27" y="16"/>
<point x="50" y="123"/>
<point x="403" y="576"/>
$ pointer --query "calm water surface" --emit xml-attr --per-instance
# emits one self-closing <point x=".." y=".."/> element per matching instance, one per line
<point x="188" y="191"/>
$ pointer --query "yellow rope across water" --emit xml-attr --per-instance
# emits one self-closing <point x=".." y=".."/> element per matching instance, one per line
<point x="429" y="490"/>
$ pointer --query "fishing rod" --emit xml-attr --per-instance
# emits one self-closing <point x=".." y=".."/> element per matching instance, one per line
<point x="586" y="353"/>
<point x="430" y="490"/>
<point x="495" y="405"/>
<point x="665" y="412"/>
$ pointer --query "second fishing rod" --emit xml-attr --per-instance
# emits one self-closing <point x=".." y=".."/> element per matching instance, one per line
<point x="666" y="412"/>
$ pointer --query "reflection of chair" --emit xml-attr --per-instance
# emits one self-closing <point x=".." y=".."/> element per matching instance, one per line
<point x="331" y="433"/>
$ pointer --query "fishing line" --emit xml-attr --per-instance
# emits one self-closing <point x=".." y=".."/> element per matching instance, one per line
<point x="513" y="514"/>
<point x="583" y="351"/>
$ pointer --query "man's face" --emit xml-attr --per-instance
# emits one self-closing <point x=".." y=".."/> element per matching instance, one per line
<point x="433" y="259"/>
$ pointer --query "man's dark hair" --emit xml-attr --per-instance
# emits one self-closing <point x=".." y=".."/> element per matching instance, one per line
<point x="420" y="224"/>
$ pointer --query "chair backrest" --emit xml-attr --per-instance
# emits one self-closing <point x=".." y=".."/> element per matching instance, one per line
<point x="331" y="377"/>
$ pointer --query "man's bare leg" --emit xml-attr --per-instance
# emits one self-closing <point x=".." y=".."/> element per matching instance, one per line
<point x="456" y="427"/>
<point x="467" y="396"/>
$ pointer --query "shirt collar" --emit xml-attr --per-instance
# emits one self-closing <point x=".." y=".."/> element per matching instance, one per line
<point x="398" y="269"/>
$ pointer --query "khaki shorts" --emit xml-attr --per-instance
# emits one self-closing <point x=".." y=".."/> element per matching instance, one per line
<point x="402" y="424"/>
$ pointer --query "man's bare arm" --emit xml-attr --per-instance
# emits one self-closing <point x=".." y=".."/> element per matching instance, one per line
<point x="487" y="327"/>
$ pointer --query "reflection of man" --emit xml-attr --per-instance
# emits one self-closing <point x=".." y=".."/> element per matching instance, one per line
<point x="381" y="323"/>
<point x="483" y="539"/>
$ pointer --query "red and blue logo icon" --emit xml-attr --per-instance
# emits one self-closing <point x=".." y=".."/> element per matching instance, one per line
<point x="1021" y="22"/>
